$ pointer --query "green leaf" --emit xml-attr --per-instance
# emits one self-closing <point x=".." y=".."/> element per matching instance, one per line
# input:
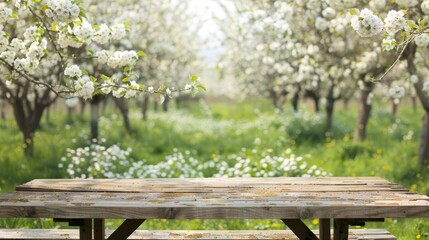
<point x="202" y="87"/>
<point x="353" y="11"/>
<point x="14" y="15"/>
<point x="126" y="23"/>
<point x="98" y="92"/>
<point x="422" y="24"/>
<point x="54" y="26"/>
<point x="126" y="80"/>
<point x="141" y="54"/>
<point x="412" y="24"/>
<point x="104" y="77"/>
<point x="127" y="69"/>
<point x="82" y="14"/>
<point x="96" y="27"/>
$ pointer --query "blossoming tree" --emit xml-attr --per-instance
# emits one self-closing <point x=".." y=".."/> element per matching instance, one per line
<point x="44" y="50"/>
<point x="405" y="30"/>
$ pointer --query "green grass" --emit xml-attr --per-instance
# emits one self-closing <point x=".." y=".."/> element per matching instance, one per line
<point x="218" y="129"/>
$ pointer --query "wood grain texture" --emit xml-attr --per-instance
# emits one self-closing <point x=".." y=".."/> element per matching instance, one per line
<point x="61" y="234"/>
<point x="214" y="198"/>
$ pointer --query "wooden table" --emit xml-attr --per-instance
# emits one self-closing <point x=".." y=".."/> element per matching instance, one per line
<point x="342" y="201"/>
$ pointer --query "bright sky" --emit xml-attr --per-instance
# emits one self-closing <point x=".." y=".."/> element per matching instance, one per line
<point x="210" y="12"/>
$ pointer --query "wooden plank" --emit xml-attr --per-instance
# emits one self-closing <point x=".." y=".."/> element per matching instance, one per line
<point x="243" y="212"/>
<point x="209" y="200"/>
<point x="63" y="234"/>
<point x="126" y="229"/>
<point x="295" y="198"/>
<point x="347" y="198"/>
<point x="186" y="185"/>
<point x="99" y="205"/>
<point x="73" y="184"/>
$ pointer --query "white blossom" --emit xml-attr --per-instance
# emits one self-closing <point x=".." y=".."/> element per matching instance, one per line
<point x="414" y="79"/>
<point x="84" y="87"/>
<point x="73" y="71"/>
<point x="389" y="43"/>
<point x="321" y="24"/>
<point x="329" y="13"/>
<point x="84" y="30"/>
<point x="425" y="7"/>
<point x="367" y="24"/>
<point x="394" y="22"/>
<point x="422" y="40"/>
<point x="8" y="56"/>
<point x="122" y="58"/>
<point x="397" y="92"/>
<point x="118" y="31"/>
<point x="132" y="90"/>
<point x="102" y="35"/>
<point x="63" y="10"/>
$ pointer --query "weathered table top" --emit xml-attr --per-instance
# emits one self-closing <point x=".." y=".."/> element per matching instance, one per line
<point x="214" y="198"/>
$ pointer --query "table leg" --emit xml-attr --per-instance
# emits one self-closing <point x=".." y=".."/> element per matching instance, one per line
<point x="99" y="229"/>
<point x="341" y="229"/>
<point x="85" y="230"/>
<point x="126" y="229"/>
<point x="325" y="229"/>
<point x="300" y="229"/>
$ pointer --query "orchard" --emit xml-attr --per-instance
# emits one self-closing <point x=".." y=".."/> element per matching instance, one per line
<point x="205" y="88"/>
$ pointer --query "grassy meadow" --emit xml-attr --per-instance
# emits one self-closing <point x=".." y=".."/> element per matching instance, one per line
<point x="223" y="138"/>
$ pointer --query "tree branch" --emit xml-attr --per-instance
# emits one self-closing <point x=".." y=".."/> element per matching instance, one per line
<point x="50" y="37"/>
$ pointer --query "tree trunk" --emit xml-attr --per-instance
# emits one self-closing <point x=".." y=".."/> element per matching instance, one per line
<point x="2" y="111"/>
<point x="165" y="104"/>
<point x="28" y="143"/>
<point x="315" y="97"/>
<point x="48" y="115"/>
<point x="316" y="100"/>
<point x="364" y="113"/>
<point x="424" y="142"/>
<point x="82" y="107"/>
<point x="104" y="107"/>
<point x="330" y="103"/>
<point x="414" y="102"/>
<point x="95" y="105"/>
<point x="155" y="103"/>
<point x="69" y="112"/>
<point x="346" y="102"/>
<point x="145" y="106"/>
<point x="123" y="108"/>
<point x="409" y="54"/>
<point x="178" y="101"/>
<point x="27" y="117"/>
<point x="281" y="100"/>
<point x="394" y="108"/>
<point x="295" y="99"/>
<point x="274" y="98"/>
